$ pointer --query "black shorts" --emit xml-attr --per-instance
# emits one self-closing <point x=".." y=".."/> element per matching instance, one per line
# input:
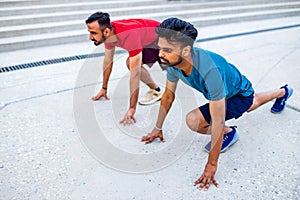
<point x="150" y="54"/>
<point x="235" y="107"/>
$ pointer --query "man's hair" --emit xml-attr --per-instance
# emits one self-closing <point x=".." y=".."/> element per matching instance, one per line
<point x="177" y="30"/>
<point x="102" y="18"/>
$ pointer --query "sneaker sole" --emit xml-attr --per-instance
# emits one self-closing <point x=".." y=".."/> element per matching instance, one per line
<point x="234" y="140"/>
<point x="151" y="102"/>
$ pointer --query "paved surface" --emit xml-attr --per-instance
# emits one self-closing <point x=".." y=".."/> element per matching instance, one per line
<point x="44" y="153"/>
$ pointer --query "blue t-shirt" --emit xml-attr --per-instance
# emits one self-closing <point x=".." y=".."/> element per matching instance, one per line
<point x="213" y="76"/>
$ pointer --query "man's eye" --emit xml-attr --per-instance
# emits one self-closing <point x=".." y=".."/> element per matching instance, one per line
<point x="168" y="50"/>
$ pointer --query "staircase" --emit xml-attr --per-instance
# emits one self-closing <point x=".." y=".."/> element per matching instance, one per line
<point x="35" y="23"/>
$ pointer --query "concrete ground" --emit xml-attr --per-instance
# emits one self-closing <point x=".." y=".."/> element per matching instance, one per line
<point x="58" y="144"/>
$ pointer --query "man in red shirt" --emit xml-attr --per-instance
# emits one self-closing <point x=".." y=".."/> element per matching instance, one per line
<point x="138" y="37"/>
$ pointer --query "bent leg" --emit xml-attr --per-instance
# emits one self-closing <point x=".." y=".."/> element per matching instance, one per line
<point x="145" y="76"/>
<point x="262" y="98"/>
<point x="196" y="122"/>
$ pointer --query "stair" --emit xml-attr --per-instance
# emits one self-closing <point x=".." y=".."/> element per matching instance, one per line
<point x="35" y="23"/>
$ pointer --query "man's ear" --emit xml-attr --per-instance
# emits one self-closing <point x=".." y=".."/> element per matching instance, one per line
<point x="106" y="31"/>
<point x="186" y="50"/>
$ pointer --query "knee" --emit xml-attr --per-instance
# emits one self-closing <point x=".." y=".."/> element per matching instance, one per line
<point x="192" y="121"/>
<point x="196" y="122"/>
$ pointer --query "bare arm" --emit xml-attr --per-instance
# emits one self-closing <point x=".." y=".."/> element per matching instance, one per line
<point x="135" y="64"/>
<point x="107" y="65"/>
<point x="217" y="111"/>
<point x="107" y="68"/>
<point x="165" y="105"/>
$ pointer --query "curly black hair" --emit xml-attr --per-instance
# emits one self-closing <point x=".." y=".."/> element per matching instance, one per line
<point x="177" y="30"/>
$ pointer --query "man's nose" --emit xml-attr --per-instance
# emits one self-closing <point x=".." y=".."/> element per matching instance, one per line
<point x="160" y="54"/>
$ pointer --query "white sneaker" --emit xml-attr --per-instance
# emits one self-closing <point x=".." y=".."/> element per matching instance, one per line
<point x="150" y="97"/>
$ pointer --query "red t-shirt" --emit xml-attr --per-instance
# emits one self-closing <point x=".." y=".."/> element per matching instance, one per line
<point x="133" y="34"/>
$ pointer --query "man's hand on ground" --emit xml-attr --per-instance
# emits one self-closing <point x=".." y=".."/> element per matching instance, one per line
<point x="207" y="177"/>
<point x="128" y="117"/>
<point x="101" y="93"/>
<point x="152" y="136"/>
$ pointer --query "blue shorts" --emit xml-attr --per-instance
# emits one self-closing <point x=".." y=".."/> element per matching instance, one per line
<point x="235" y="107"/>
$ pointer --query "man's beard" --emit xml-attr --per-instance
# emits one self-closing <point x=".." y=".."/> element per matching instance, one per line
<point x="96" y="43"/>
<point x="165" y="63"/>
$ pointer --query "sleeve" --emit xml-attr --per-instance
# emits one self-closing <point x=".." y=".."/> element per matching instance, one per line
<point x="108" y="45"/>
<point x="132" y="43"/>
<point x="214" y="85"/>
<point x="171" y="76"/>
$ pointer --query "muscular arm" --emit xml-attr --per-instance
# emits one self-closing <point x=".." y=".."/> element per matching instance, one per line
<point x="165" y="105"/>
<point x="166" y="102"/>
<point x="217" y="111"/>
<point x="107" y="68"/>
<point x="135" y="64"/>
<point x="107" y="65"/>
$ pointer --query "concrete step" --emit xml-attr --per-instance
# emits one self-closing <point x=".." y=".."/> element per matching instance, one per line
<point x="113" y="6"/>
<point x="233" y="18"/>
<point x="76" y="13"/>
<point x="17" y="3"/>
<point x="92" y="5"/>
<point x="41" y="23"/>
<point x="5" y="3"/>
<point x="189" y="11"/>
<point x="79" y="13"/>
<point x="18" y="43"/>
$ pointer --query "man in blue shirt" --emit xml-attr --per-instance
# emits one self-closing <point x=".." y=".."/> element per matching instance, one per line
<point x="230" y="94"/>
